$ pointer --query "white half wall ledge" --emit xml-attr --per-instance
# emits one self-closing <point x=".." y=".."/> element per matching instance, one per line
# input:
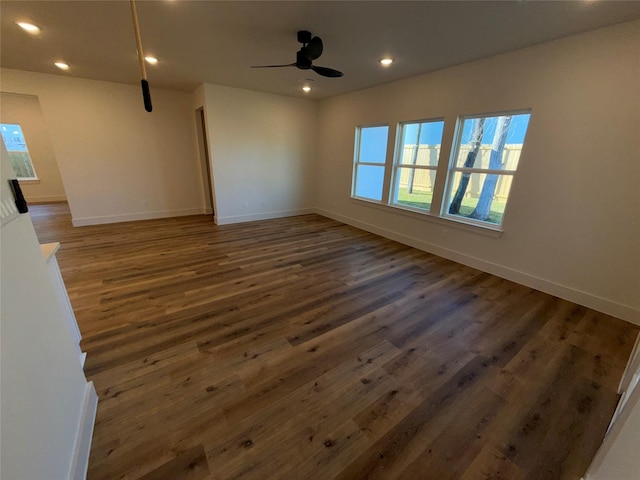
<point x="252" y="217"/>
<point x="624" y="312"/>
<point x="132" y="217"/>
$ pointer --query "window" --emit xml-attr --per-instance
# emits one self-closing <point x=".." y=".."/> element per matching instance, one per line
<point x="483" y="163"/>
<point x="18" y="152"/>
<point x="416" y="162"/>
<point x="473" y="182"/>
<point x="369" y="165"/>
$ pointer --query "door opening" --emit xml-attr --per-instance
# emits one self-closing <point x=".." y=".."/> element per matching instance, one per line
<point x="207" y="177"/>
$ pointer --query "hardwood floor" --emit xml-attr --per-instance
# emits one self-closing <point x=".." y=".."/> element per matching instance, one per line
<point x="302" y="348"/>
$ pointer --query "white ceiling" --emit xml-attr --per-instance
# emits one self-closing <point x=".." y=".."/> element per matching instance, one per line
<point x="217" y="41"/>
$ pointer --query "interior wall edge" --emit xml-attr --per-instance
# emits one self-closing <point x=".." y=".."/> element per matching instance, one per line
<point x="84" y="434"/>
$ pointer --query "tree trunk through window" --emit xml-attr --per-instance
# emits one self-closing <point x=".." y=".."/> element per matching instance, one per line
<point x="482" y="210"/>
<point x="476" y="140"/>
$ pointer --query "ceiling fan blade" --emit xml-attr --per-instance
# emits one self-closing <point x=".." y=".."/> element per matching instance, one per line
<point x="273" y="66"/>
<point x="326" y="72"/>
<point x="314" y="48"/>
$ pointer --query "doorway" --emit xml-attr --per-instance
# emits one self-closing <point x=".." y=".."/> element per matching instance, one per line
<point x="205" y="163"/>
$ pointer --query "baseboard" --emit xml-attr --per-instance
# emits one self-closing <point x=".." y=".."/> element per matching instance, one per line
<point x="624" y="312"/>
<point x="131" y="217"/>
<point x="263" y="216"/>
<point x="46" y="199"/>
<point x="84" y="434"/>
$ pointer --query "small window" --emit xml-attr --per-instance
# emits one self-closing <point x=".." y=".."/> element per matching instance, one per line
<point x="484" y="161"/>
<point x="369" y="164"/>
<point x="18" y="152"/>
<point x="416" y="162"/>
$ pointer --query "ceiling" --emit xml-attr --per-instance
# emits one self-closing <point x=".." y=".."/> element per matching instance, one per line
<point x="217" y="41"/>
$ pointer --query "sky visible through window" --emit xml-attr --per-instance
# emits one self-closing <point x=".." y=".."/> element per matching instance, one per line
<point x="430" y="134"/>
<point x="515" y="135"/>
<point x="372" y="149"/>
<point x="374" y="140"/>
<point x="373" y="144"/>
<point x="13" y="138"/>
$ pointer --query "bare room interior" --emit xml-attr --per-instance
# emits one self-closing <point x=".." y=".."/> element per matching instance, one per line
<point x="326" y="240"/>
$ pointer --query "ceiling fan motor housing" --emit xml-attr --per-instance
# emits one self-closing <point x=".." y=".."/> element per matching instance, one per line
<point x="304" y="36"/>
<point x="302" y="60"/>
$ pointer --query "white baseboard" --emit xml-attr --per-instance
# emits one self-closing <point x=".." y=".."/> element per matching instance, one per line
<point x="84" y="434"/>
<point x="130" y="217"/>
<point x="625" y="312"/>
<point x="263" y="216"/>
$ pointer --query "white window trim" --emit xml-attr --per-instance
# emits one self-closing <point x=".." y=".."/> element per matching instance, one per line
<point x="397" y="156"/>
<point x="357" y="162"/>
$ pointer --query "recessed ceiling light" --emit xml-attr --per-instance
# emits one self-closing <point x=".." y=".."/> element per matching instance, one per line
<point x="151" y="60"/>
<point x="306" y="88"/>
<point x="62" y="65"/>
<point x="28" y="27"/>
<point x="386" y="61"/>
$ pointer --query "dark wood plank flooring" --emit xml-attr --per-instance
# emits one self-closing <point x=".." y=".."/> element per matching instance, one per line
<point x="302" y="348"/>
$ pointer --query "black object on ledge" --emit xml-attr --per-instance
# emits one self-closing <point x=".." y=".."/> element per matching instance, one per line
<point x="21" y="203"/>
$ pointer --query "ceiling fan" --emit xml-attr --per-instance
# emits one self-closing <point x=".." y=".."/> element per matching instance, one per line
<point x="311" y="50"/>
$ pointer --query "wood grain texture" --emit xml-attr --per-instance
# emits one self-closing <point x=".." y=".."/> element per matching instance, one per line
<point x="304" y="348"/>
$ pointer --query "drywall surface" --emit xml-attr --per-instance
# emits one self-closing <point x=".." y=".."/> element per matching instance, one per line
<point x="25" y="111"/>
<point x="572" y="225"/>
<point x="43" y="386"/>
<point x="262" y="149"/>
<point x="117" y="161"/>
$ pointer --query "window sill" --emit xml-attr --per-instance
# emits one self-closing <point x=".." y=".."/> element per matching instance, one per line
<point x="486" y="230"/>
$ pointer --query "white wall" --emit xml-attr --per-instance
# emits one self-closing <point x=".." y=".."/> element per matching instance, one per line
<point x="117" y="161"/>
<point x="571" y="227"/>
<point x="25" y="111"/>
<point x="263" y="151"/>
<point x="617" y="457"/>
<point x="46" y="405"/>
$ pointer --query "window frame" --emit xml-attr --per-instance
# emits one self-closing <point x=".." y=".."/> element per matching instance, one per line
<point x="357" y="163"/>
<point x="445" y="172"/>
<point x="452" y="169"/>
<point x="397" y="165"/>
<point x="27" y="180"/>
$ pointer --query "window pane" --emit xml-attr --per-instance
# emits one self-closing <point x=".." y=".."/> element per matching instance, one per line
<point x="414" y="187"/>
<point x="421" y="143"/>
<point x="479" y="196"/>
<point x="492" y="142"/>
<point x="373" y="144"/>
<point x="22" y="164"/>
<point x="369" y="179"/>
<point x="13" y="138"/>
<point x="17" y="148"/>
